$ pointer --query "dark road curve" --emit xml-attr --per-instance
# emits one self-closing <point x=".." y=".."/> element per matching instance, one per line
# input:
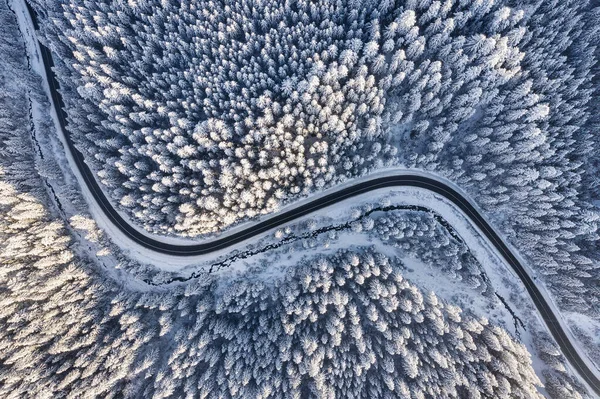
<point x="405" y="180"/>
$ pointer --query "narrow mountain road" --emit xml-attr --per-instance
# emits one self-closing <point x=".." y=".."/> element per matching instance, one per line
<point x="406" y="180"/>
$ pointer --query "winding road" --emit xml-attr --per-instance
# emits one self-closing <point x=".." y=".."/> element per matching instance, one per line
<point x="406" y="180"/>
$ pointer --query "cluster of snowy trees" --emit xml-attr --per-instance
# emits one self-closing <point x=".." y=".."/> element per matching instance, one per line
<point x="420" y="235"/>
<point x="194" y="118"/>
<point x="508" y="109"/>
<point x="197" y="117"/>
<point x="557" y="382"/>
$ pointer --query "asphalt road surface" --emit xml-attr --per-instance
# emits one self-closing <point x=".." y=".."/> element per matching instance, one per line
<point x="405" y="180"/>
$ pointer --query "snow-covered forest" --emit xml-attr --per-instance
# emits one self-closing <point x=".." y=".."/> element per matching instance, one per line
<point x="68" y="330"/>
<point x="288" y="339"/>
<point x="195" y="118"/>
<point x="198" y="115"/>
